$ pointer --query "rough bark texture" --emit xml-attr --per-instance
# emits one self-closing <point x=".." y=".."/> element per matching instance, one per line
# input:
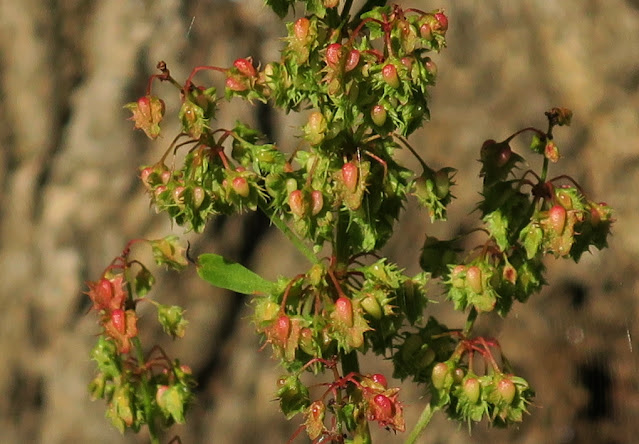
<point x="70" y="200"/>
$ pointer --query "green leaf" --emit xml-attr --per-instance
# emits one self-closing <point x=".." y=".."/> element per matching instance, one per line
<point x="223" y="273"/>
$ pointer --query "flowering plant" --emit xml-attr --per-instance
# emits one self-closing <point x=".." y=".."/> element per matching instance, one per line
<point x="365" y="76"/>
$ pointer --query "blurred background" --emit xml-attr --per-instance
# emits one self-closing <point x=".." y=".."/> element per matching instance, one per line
<point x="70" y="199"/>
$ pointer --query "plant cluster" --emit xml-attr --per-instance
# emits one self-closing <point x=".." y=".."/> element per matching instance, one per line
<point x="364" y="79"/>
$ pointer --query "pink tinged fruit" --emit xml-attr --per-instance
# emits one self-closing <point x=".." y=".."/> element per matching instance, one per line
<point x="282" y="329"/>
<point x="378" y="115"/>
<point x="440" y="372"/>
<point x="333" y="54"/>
<point x="118" y="319"/>
<point x="352" y="60"/>
<point x="240" y="186"/>
<point x="474" y="279"/>
<point x="380" y="379"/>
<point x="507" y="390"/>
<point x="472" y="389"/>
<point x="301" y="27"/>
<point x="389" y="74"/>
<point x="245" y="67"/>
<point x="557" y="218"/>
<point x="350" y="175"/>
<point x="317" y="202"/>
<point x="344" y="311"/>
<point x="296" y="202"/>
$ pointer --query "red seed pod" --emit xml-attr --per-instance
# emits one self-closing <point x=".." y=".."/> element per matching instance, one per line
<point x="380" y="379"/>
<point x="442" y="20"/>
<point x="235" y="83"/>
<point x="352" y="60"/>
<point x="383" y="408"/>
<point x="389" y="74"/>
<point x="301" y="28"/>
<point x="317" y="202"/>
<point x="333" y="54"/>
<point x="350" y="177"/>
<point x="474" y="279"/>
<point x="297" y="203"/>
<point x="245" y="67"/>
<point x="282" y="329"/>
<point x="118" y="319"/>
<point x="241" y="186"/>
<point x="344" y="311"/>
<point x="557" y="218"/>
<point x="331" y="3"/>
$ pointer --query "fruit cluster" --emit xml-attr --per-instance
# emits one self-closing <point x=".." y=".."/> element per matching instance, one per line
<point x="138" y="389"/>
<point x="364" y="80"/>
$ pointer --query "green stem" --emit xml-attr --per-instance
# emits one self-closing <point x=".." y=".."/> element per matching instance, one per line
<point x="544" y="170"/>
<point x="470" y="321"/>
<point x="147" y="396"/>
<point x="346" y="10"/>
<point x="422" y="422"/>
<point x="301" y="246"/>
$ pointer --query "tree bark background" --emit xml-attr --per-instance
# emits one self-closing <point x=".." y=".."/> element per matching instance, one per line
<point x="70" y="200"/>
